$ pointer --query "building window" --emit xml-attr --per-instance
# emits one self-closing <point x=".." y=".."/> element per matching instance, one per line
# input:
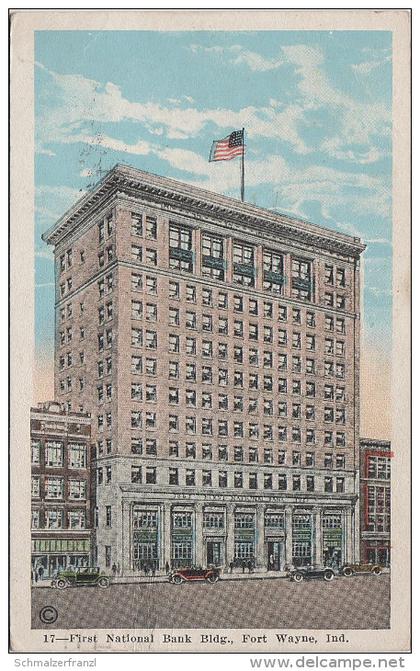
<point x="35" y="519"/>
<point x="53" y="519"/>
<point x="77" y="489"/>
<point x="173" y="317"/>
<point x="243" y="264"/>
<point x="54" y="454"/>
<point x="107" y="556"/>
<point x="302" y="279"/>
<point x="136" y="446"/>
<point x="206" y="479"/>
<point x="173" y="476"/>
<point x="206" y="400"/>
<point x="212" y="256"/>
<point x="151" y="228"/>
<point x="151" y="475"/>
<point x="190" y="477"/>
<point x="223" y="479"/>
<point x="173" y="448"/>
<point x="213" y="520"/>
<point x="328" y="484"/>
<point x="108" y="516"/>
<point x="310" y="483"/>
<point x="35" y="487"/>
<point x="339" y="485"/>
<point x="77" y="455"/>
<point x="207" y="451"/>
<point x="273" y="279"/>
<point x="174" y="290"/>
<point x="180" y="248"/>
<point x="35" y="452"/>
<point x="207" y="296"/>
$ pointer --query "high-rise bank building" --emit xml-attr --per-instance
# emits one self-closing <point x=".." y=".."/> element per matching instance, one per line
<point x="216" y="346"/>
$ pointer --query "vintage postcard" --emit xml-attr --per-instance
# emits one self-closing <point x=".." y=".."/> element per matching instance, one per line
<point x="210" y="272"/>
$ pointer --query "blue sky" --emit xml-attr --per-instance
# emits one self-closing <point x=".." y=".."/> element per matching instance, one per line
<point x="316" y="107"/>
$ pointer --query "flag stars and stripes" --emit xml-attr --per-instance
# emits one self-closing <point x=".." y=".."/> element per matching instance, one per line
<point x="229" y="147"/>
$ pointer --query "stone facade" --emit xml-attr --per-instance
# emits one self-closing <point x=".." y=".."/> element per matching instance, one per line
<point x="216" y="345"/>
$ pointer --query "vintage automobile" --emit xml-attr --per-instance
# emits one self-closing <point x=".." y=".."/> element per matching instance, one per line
<point x="193" y="574"/>
<point x="298" y="574"/>
<point x="73" y="577"/>
<point x="352" y="569"/>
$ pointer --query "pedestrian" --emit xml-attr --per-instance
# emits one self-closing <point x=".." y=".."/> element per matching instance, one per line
<point x="231" y="565"/>
<point x="40" y="572"/>
<point x="114" y="570"/>
<point x="271" y="563"/>
<point x="167" y="568"/>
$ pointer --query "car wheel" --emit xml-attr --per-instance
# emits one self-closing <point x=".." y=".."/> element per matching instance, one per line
<point x="348" y="571"/>
<point x="177" y="580"/>
<point x="298" y="577"/>
<point x="328" y="575"/>
<point x="61" y="583"/>
<point x="103" y="581"/>
<point x="376" y="570"/>
<point x="212" y="579"/>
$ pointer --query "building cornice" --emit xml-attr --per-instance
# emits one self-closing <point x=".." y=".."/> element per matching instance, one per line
<point x="178" y="197"/>
<point x="375" y="443"/>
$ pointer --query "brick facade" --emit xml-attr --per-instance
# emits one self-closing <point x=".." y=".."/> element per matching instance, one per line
<point x="61" y="489"/>
<point x="216" y="346"/>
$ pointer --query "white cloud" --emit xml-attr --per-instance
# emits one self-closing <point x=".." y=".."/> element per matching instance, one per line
<point x="237" y="55"/>
<point x="80" y="103"/>
<point x="360" y="121"/>
<point x="375" y="59"/>
<point x="331" y="188"/>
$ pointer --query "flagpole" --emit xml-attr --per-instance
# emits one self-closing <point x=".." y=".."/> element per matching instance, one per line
<point x="243" y="166"/>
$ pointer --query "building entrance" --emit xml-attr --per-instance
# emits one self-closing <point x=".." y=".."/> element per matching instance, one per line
<point x="275" y="555"/>
<point x="214" y="553"/>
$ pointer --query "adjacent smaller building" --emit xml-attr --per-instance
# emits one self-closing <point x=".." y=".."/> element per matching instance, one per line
<point x="61" y="489"/>
<point x="375" y="494"/>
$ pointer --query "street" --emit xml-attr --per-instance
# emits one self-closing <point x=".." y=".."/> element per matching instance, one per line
<point x="359" y="602"/>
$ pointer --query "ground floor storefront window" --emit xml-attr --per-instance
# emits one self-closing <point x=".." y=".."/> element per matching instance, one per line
<point x="45" y="567"/>
<point x="378" y="554"/>
<point x="182" y="538"/>
<point x="182" y="552"/>
<point x="302" y="532"/>
<point x="145" y="540"/>
<point x="332" y="533"/>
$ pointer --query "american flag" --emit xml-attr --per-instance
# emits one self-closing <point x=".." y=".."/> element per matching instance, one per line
<point x="229" y="147"/>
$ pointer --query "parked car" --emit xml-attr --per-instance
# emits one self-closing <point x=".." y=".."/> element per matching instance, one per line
<point x="191" y="574"/>
<point x="74" y="577"/>
<point x="351" y="569"/>
<point x="310" y="572"/>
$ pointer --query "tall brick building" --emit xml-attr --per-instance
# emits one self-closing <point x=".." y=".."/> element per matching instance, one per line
<point x="216" y="345"/>
<point x="61" y="489"/>
<point x="375" y="500"/>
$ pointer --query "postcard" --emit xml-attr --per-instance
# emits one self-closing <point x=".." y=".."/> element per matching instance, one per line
<point x="210" y="308"/>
